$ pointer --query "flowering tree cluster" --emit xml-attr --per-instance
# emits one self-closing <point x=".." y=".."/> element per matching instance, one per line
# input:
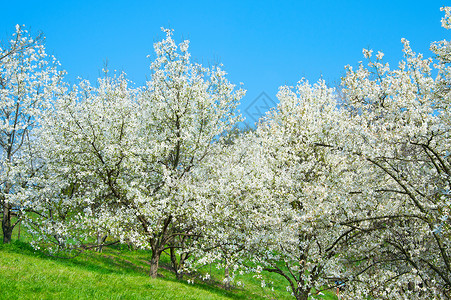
<point x="354" y="190"/>
<point x="326" y="191"/>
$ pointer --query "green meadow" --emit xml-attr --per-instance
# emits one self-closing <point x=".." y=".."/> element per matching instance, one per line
<point x="118" y="272"/>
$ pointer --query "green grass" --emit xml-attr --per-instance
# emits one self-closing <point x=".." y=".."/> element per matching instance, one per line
<point x="29" y="275"/>
<point x="116" y="273"/>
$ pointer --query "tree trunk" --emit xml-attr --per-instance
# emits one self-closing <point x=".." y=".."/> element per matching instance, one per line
<point x="183" y="257"/>
<point x="227" y="278"/>
<point x="158" y="245"/>
<point x="100" y="241"/>
<point x="301" y="294"/>
<point x="175" y="265"/>
<point x="18" y="233"/>
<point x="154" y="260"/>
<point x="6" y="224"/>
<point x="178" y="263"/>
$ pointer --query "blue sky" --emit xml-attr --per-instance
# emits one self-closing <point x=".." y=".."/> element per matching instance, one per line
<point x="264" y="44"/>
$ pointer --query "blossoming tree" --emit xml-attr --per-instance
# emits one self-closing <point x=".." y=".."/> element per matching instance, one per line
<point x="399" y="125"/>
<point x="29" y="79"/>
<point x="125" y="158"/>
<point x="86" y="139"/>
<point x="185" y="108"/>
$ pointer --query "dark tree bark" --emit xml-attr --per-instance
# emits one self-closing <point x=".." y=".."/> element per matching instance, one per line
<point x="7" y="227"/>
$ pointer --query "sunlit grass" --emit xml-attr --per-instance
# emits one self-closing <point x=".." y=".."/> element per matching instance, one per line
<point x="117" y="273"/>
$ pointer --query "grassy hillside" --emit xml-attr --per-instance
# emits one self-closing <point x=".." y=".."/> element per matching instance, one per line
<point x="116" y="273"/>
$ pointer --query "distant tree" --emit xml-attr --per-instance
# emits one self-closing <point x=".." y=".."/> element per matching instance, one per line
<point x="85" y="141"/>
<point x="236" y="132"/>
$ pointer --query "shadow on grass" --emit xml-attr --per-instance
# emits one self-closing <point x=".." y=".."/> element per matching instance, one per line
<point x="119" y="260"/>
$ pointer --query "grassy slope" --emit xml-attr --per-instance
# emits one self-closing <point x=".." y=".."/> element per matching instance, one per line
<point x="116" y="273"/>
<point x="28" y="275"/>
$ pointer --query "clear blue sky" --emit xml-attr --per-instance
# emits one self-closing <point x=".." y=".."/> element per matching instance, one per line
<point x="264" y="44"/>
